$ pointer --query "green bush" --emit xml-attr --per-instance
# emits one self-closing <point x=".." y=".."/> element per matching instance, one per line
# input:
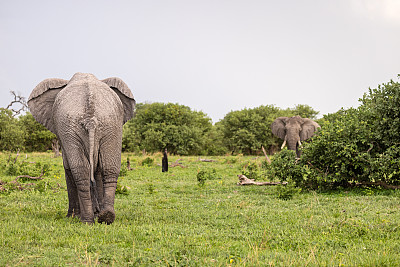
<point x="283" y="167"/>
<point x="36" y="136"/>
<point x="26" y="168"/>
<point x="252" y="171"/>
<point x="357" y="145"/>
<point x="204" y="175"/>
<point x="11" y="134"/>
<point x="286" y="192"/>
<point x="147" y="161"/>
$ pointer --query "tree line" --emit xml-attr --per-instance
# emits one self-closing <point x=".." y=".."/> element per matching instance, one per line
<point x="355" y="146"/>
<point x="176" y="127"/>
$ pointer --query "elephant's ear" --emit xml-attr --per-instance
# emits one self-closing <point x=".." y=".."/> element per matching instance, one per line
<point x="309" y="127"/>
<point x="278" y="127"/>
<point x="41" y="101"/>
<point x="124" y="94"/>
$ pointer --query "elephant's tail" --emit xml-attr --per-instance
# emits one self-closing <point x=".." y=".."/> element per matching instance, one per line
<point x="93" y="186"/>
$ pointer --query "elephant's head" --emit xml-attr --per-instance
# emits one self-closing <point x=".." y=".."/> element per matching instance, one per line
<point x="293" y="130"/>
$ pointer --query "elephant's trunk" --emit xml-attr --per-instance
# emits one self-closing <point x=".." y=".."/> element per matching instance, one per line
<point x="292" y="144"/>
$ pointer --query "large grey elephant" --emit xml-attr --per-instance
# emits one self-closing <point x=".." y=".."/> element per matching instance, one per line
<point x="87" y="116"/>
<point x="293" y="130"/>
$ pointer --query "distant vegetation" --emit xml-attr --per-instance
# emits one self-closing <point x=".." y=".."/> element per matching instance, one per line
<point x="176" y="127"/>
<point x="354" y="146"/>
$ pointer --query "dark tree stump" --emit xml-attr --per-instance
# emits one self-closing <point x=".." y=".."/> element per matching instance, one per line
<point x="165" y="162"/>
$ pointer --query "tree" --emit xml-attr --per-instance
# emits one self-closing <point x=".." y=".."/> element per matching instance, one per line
<point x="11" y="134"/>
<point x="304" y="111"/>
<point x="245" y="131"/>
<point x="36" y="136"/>
<point x="18" y="101"/>
<point x="158" y="126"/>
<point x="215" y="141"/>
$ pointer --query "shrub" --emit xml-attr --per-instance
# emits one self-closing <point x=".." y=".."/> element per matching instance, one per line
<point x="252" y="171"/>
<point x="286" y="192"/>
<point x="359" y="145"/>
<point x="284" y="167"/>
<point x="36" y="136"/>
<point x="147" y="161"/>
<point x="11" y="134"/>
<point x="26" y="168"/>
<point x="203" y="175"/>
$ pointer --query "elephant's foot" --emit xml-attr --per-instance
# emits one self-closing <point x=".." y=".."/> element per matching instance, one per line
<point x="106" y="216"/>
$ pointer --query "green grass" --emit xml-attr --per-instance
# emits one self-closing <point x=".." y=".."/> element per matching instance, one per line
<point x="169" y="219"/>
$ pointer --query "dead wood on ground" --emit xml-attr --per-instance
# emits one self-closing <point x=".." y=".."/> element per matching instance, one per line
<point x="243" y="180"/>
<point x="177" y="164"/>
<point x="40" y="177"/>
<point x="206" y="160"/>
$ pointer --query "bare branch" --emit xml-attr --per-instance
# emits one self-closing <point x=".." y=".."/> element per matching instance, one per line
<point x="40" y="177"/>
<point x="18" y="99"/>
<point x="265" y="154"/>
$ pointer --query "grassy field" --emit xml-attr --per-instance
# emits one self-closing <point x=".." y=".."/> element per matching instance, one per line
<point x="168" y="219"/>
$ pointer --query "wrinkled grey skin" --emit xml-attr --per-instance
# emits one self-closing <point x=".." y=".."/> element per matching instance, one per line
<point x="294" y="129"/>
<point x="87" y="116"/>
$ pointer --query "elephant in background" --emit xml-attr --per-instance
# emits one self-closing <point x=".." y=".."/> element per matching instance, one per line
<point x="87" y="116"/>
<point x="293" y="130"/>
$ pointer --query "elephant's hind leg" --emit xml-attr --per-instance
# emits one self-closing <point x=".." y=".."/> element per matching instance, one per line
<point x="73" y="201"/>
<point x="107" y="214"/>
<point x="110" y="164"/>
<point x="80" y="170"/>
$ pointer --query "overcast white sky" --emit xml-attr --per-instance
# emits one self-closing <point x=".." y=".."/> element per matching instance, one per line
<point x="211" y="55"/>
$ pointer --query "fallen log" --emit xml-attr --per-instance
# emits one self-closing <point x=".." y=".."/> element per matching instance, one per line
<point x="177" y="164"/>
<point x="243" y="180"/>
<point x="40" y="177"/>
<point x="207" y="160"/>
